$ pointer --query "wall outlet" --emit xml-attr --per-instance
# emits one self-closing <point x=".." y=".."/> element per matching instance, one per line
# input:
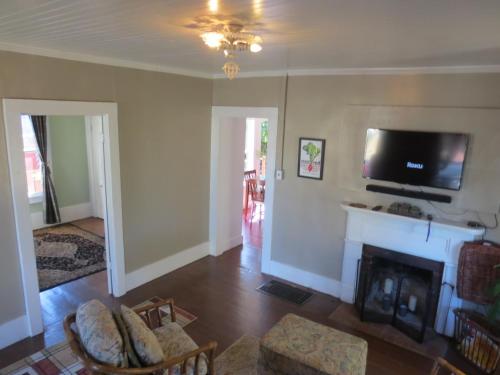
<point x="280" y="174"/>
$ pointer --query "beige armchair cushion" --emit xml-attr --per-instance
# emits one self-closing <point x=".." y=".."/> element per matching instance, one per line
<point x="99" y="334"/>
<point x="175" y="342"/>
<point x="144" y="341"/>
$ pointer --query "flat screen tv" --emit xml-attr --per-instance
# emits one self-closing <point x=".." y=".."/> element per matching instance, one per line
<point x="415" y="158"/>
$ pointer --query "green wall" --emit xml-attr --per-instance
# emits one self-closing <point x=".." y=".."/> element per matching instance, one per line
<point x="68" y="147"/>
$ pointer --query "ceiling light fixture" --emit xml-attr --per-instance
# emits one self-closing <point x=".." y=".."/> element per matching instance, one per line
<point x="213" y="5"/>
<point x="232" y="39"/>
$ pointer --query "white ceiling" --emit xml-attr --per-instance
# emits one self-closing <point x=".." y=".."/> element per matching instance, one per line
<point x="298" y="34"/>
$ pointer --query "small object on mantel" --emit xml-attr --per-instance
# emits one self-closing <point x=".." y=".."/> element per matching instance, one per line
<point x="405" y="209"/>
<point x="474" y="224"/>
<point x="358" y="205"/>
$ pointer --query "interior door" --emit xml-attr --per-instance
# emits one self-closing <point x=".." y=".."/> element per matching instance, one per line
<point x="98" y="159"/>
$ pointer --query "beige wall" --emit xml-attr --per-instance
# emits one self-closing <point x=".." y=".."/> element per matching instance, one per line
<point x="309" y="226"/>
<point x="164" y="130"/>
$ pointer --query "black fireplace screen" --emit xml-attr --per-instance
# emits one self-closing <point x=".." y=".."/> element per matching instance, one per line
<point x="398" y="289"/>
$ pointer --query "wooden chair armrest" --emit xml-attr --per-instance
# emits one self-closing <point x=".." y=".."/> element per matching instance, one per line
<point x="149" y="309"/>
<point x="95" y="367"/>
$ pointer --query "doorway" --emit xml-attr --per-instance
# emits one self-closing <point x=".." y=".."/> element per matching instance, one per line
<point x="15" y="112"/>
<point x="254" y="181"/>
<point x="229" y="127"/>
<point x="69" y="240"/>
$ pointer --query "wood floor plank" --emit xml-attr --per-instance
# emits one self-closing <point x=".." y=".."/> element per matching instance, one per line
<point x="91" y="224"/>
<point x="222" y="293"/>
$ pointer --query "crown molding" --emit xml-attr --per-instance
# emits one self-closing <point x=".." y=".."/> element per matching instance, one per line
<point x="9" y="47"/>
<point x="369" y="71"/>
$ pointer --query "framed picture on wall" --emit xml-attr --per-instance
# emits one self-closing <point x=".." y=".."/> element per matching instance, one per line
<point x="311" y="158"/>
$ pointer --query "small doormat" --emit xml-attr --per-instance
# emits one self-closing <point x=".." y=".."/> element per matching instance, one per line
<point x="285" y="291"/>
<point x="432" y="347"/>
<point x="65" y="253"/>
<point x="60" y="360"/>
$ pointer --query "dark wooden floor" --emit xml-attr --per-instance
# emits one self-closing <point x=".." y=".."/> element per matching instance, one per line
<point x="221" y="292"/>
<point x="93" y="225"/>
<point x="252" y="229"/>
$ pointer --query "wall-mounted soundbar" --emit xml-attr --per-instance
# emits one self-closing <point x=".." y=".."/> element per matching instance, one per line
<point x="409" y="193"/>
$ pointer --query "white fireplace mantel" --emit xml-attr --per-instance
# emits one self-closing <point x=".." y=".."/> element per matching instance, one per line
<point x="407" y="235"/>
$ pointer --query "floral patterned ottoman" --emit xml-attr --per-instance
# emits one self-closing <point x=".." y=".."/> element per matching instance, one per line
<point x="299" y="346"/>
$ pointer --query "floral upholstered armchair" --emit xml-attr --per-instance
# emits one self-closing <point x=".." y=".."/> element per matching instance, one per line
<point x="135" y="341"/>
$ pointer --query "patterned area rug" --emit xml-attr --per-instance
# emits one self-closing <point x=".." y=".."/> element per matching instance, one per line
<point x="65" y="253"/>
<point x="59" y="359"/>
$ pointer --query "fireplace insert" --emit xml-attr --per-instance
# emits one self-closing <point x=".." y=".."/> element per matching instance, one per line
<point x="398" y="289"/>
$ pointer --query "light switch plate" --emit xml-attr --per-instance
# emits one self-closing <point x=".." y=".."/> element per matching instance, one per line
<point x="279" y="174"/>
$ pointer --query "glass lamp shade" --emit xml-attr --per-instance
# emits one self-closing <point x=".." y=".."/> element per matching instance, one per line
<point x="212" y="39"/>
<point x="255" y="47"/>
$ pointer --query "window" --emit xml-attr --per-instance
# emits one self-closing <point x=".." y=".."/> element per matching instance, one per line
<point x="34" y="176"/>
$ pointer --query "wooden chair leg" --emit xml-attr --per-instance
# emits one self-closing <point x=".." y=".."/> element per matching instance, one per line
<point x="246" y="199"/>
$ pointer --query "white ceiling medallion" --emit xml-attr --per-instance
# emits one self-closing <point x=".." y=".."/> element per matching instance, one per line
<point x="231" y="39"/>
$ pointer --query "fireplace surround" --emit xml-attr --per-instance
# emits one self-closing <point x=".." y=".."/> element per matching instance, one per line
<point x="398" y="289"/>
<point x="407" y="236"/>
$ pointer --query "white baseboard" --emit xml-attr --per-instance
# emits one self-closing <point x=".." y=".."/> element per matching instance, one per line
<point x="13" y="331"/>
<point x="162" y="267"/>
<point x="305" y="278"/>
<point x="347" y="293"/>
<point x="68" y="213"/>
<point x="226" y="245"/>
<point x="231" y="243"/>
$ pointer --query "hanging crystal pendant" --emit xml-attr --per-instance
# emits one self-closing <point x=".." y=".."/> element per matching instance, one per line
<point x="231" y="69"/>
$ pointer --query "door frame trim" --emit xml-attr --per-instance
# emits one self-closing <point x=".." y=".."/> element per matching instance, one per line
<point x="13" y="109"/>
<point x="90" y="162"/>
<point x="270" y="113"/>
<point x="93" y="166"/>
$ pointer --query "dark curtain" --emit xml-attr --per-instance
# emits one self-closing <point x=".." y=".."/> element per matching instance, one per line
<point x="51" y="208"/>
